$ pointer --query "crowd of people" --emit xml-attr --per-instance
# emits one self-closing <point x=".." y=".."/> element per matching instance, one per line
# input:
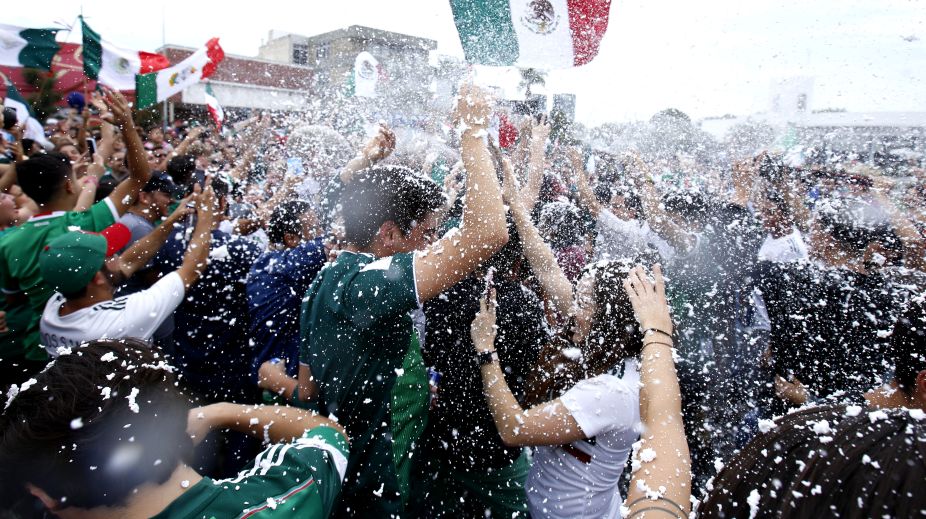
<point x="281" y="320"/>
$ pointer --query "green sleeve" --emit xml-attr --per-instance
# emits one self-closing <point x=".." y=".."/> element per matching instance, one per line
<point x="328" y="462"/>
<point x="100" y="216"/>
<point x="383" y="288"/>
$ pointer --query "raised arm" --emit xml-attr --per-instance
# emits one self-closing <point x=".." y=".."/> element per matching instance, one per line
<point x="913" y="243"/>
<point x="280" y="424"/>
<point x="194" y="261"/>
<point x="140" y="253"/>
<point x="663" y="480"/>
<point x="483" y="231"/>
<point x="376" y="149"/>
<point x="557" y="289"/>
<point x="655" y="214"/>
<point x="107" y="131"/>
<point x="544" y="424"/>
<point x="586" y="196"/>
<point x="536" y="161"/>
<point x="7" y="176"/>
<point x="139" y="172"/>
<point x="190" y="138"/>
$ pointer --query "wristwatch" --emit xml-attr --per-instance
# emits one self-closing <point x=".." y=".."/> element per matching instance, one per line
<point x="486" y="357"/>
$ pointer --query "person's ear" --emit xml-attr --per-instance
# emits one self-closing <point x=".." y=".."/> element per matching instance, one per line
<point x="48" y="502"/>
<point x="99" y="278"/>
<point x="70" y="185"/>
<point x="389" y="233"/>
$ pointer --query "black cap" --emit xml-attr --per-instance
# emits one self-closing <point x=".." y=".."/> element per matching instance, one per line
<point x="162" y="182"/>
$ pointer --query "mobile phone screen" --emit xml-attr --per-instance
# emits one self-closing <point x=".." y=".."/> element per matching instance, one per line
<point x="91" y="145"/>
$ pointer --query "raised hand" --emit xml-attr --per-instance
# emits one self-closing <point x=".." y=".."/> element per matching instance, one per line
<point x="648" y="299"/>
<point x="473" y="108"/>
<point x="483" y="328"/>
<point x="117" y="104"/>
<point x="510" y="191"/>
<point x="380" y="146"/>
<point x="540" y="131"/>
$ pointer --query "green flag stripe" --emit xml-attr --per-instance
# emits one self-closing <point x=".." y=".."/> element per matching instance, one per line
<point x="12" y="93"/>
<point x="486" y="31"/>
<point x="92" y="51"/>
<point x="40" y="48"/>
<point x="146" y="90"/>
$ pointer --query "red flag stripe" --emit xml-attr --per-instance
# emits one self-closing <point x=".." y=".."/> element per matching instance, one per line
<point x="588" y="21"/>
<point x="151" y="62"/>
<point x="215" y="53"/>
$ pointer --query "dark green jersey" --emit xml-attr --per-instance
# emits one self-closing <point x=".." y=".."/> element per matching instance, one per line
<point x="360" y="343"/>
<point x="298" y="479"/>
<point x="20" y="274"/>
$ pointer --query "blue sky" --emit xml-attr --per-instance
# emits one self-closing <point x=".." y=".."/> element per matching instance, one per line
<point x="705" y="58"/>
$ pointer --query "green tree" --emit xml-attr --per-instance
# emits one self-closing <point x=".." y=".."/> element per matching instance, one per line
<point x="45" y="98"/>
<point x="531" y="77"/>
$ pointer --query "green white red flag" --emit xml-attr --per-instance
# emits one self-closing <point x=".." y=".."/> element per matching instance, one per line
<point x="32" y="128"/>
<point x="113" y="66"/>
<point x="158" y="86"/>
<point x="23" y="47"/>
<point x="215" y="109"/>
<point x="545" y="34"/>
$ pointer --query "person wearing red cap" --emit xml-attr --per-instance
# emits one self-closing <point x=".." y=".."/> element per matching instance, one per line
<point x="50" y="181"/>
<point x="83" y="308"/>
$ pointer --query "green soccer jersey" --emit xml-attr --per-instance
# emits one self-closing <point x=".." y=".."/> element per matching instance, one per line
<point x="298" y="479"/>
<point x="361" y="345"/>
<point x="20" y="274"/>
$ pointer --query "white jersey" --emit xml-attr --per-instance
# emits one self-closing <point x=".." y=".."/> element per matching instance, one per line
<point x="619" y="238"/>
<point x="790" y="247"/>
<point x="136" y="315"/>
<point x="560" y="484"/>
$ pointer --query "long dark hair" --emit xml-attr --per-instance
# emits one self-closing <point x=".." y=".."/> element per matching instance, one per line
<point x="614" y="336"/>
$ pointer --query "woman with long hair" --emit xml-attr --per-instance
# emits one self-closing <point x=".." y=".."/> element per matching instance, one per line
<point x="585" y="407"/>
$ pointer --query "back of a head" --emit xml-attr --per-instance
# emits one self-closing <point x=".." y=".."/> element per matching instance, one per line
<point x="43" y="176"/>
<point x="561" y="224"/>
<point x="830" y="461"/>
<point x="181" y="169"/>
<point x="98" y="423"/>
<point x="287" y="219"/>
<point x="386" y="193"/>
<point x="614" y="321"/>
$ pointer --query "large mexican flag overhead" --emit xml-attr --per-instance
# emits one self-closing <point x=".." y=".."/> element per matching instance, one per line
<point x="546" y="34"/>
<point x="22" y="47"/>
<point x="158" y="86"/>
<point x="113" y="66"/>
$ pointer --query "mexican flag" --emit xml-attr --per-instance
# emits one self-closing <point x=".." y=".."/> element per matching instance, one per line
<point x="158" y="86"/>
<point x="113" y="66"/>
<point x="215" y="109"/>
<point x="366" y="75"/>
<point x="32" y="48"/>
<point x="33" y="128"/>
<point x="545" y="34"/>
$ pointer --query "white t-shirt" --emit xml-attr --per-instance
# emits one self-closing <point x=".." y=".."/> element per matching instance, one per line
<point x="790" y="247"/>
<point x="135" y="315"/>
<point x="607" y="408"/>
<point x="619" y="238"/>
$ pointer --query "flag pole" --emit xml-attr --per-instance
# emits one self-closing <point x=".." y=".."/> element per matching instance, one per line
<point x="163" y="46"/>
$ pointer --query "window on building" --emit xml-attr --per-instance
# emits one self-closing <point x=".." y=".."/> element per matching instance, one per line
<point x="300" y="54"/>
<point x="321" y="51"/>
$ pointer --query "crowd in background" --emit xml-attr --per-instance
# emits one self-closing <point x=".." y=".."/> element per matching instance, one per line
<point x="451" y="328"/>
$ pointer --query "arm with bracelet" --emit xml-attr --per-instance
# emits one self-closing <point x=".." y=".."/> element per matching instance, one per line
<point x="663" y="483"/>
